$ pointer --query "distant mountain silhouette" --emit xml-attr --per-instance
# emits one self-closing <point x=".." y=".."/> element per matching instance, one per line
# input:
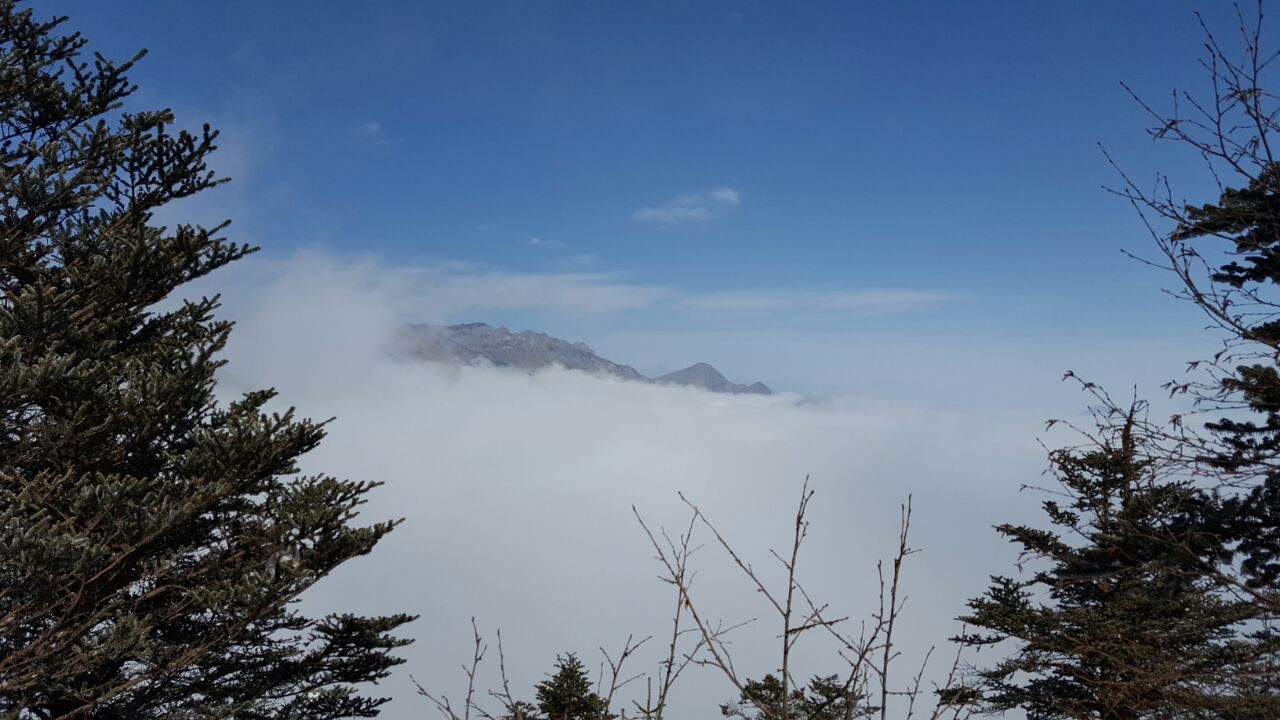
<point x="473" y="343"/>
<point x="706" y="377"/>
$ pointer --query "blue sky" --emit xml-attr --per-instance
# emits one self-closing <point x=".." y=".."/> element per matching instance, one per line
<point x="884" y="206"/>
<point x="831" y="168"/>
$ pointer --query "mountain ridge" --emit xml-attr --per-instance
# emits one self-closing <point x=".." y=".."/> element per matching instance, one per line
<point x="705" y="376"/>
<point x="472" y="343"/>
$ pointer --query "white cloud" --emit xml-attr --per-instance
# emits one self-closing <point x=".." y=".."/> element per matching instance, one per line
<point x="700" y="206"/>
<point x="368" y="129"/>
<point x="451" y="292"/>
<point x="517" y="488"/>
<point x="1011" y="375"/>
<point x="575" y="292"/>
<point x="461" y="292"/>
<point x="861" y="301"/>
<point x="672" y="214"/>
<point x="578" y="260"/>
<point x="725" y="196"/>
<point x="543" y="243"/>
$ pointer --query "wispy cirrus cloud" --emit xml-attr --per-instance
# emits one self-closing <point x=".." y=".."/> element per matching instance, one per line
<point x="370" y="128"/>
<point x="371" y="131"/>
<point x="451" y="291"/>
<point x="872" y="301"/>
<point x="692" y="207"/>
<point x="444" y="291"/>
<point x="725" y="196"/>
<point x="590" y="293"/>
<point x="545" y="243"/>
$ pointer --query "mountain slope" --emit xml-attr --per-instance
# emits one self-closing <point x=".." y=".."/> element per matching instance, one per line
<point x="527" y="350"/>
<point x="482" y="343"/>
<point x="704" y="376"/>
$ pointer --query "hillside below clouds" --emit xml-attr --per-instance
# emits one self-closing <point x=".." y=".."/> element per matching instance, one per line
<point x="474" y="343"/>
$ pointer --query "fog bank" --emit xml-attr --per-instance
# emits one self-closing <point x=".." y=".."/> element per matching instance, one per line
<point x="517" y="491"/>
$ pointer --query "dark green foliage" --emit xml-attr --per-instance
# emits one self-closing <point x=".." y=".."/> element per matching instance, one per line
<point x="1157" y="586"/>
<point x="1249" y="521"/>
<point x="1250" y="219"/>
<point x="521" y="710"/>
<point x="567" y="695"/>
<point x="151" y="540"/>
<point x="826" y="698"/>
<point x="1120" y="618"/>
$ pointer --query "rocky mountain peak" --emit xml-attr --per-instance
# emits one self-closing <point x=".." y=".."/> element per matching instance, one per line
<point x="703" y="375"/>
<point x="472" y="343"/>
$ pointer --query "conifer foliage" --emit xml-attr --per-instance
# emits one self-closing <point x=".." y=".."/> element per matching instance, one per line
<point x="1118" y="616"/>
<point x="1225" y="255"/>
<point x="1243" y="458"/>
<point x="826" y="698"/>
<point x="568" y="695"/>
<point x="1156" y="589"/>
<point x="151" y="539"/>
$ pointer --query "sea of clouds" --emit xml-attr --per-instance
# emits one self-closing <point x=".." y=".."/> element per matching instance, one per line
<point x="517" y="491"/>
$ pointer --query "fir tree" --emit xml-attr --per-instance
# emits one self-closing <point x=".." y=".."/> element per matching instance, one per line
<point x="152" y="540"/>
<point x="1247" y="522"/>
<point x="1226" y="257"/>
<point x="826" y="698"/>
<point x="1159" y="581"/>
<point x="521" y="710"/>
<point x="1118" y="622"/>
<point x="567" y="695"/>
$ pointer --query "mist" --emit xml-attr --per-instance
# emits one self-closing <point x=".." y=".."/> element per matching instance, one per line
<point x="517" y="491"/>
